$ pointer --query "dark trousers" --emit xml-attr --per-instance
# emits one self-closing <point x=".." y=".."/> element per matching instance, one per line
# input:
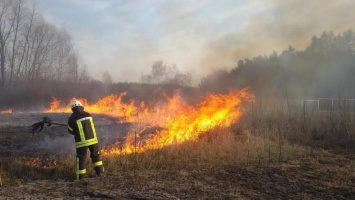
<point x="81" y="159"/>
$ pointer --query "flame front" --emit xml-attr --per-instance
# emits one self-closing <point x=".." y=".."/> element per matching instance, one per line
<point x="8" y="111"/>
<point x="177" y="120"/>
<point x="110" y="105"/>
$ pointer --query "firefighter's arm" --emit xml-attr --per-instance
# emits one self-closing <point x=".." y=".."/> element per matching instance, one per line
<point x="70" y="127"/>
<point x="70" y="130"/>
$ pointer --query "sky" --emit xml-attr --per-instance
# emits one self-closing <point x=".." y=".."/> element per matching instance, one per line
<point x="125" y="37"/>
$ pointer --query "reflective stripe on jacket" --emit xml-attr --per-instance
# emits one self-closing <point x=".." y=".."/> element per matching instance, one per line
<point x="81" y="125"/>
<point x="87" y="132"/>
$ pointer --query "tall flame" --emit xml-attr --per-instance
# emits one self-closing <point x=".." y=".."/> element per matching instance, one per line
<point x="177" y="120"/>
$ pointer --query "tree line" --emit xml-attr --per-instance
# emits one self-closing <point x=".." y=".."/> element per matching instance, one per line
<point x="32" y="50"/>
<point x="326" y="68"/>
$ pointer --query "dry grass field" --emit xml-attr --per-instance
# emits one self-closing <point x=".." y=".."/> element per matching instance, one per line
<point x="268" y="154"/>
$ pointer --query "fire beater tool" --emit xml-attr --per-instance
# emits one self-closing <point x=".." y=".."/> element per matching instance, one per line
<point x="38" y="126"/>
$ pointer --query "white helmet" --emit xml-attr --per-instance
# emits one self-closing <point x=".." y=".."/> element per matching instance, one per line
<point x="76" y="103"/>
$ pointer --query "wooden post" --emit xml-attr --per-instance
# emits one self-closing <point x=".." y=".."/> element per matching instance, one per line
<point x="332" y="104"/>
<point x="269" y="154"/>
<point x="304" y="108"/>
<point x="288" y="103"/>
<point x="354" y="103"/>
<point x="318" y="105"/>
<point x="280" y="154"/>
<point x="135" y="153"/>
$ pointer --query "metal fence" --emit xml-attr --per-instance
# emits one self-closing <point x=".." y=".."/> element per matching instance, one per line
<point x="322" y="104"/>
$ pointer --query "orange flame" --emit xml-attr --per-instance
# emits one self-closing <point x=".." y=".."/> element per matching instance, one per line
<point x="44" y="163"/>
<point x="8" y="111"/>
<point x="177" y="120"/>
<point x="182" y="122"/>
<point x="110" y="105"/>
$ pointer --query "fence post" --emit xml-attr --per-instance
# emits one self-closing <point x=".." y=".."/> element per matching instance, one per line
<point x="304" y="111"/>
<point x="332" y="104"/>
<point x="318" y="105"/>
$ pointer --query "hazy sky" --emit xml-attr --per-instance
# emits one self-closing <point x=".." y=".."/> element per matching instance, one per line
<point x="124" y="37"/>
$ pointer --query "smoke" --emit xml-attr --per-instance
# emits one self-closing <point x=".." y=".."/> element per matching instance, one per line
<point x="277" y="25"/>
<point x="59" y="145"/>
<point x="126" y="37"/>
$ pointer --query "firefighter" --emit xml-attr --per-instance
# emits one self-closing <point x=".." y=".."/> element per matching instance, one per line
<point x="81" y="125"/>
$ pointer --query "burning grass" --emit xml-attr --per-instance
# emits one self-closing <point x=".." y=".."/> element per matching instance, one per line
<point x="267" y="150"/>
<point x="178" y="121"/>
<point x="7" y="111"/>
<point x="218" y="147"/>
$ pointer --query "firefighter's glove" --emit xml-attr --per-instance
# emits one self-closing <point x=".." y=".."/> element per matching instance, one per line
<point x="47" y="120"/>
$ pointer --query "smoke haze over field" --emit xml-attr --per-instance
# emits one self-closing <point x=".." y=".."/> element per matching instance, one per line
<point x="279" y="24"/>
<point x="126" y="37"/>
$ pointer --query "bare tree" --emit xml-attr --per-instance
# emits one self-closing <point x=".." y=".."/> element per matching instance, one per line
<point x="75" y="70"/>
<point x="6" y="26"/>
<point x="32" y="50"/>
<point x="24" y="42"/>
<point x="83" y="74"/>
<point x="61" y="55"/>
<point x="158" y="71"/>
<point x="106" y="78"/>
<point x="162" y="74"/>
<point x="17" y="10"/>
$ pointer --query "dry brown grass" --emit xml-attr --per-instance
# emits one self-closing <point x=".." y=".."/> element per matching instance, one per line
<point x="332" y="130"/>
<point x="266" y="135"/>
<point x="216" y="148"/>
